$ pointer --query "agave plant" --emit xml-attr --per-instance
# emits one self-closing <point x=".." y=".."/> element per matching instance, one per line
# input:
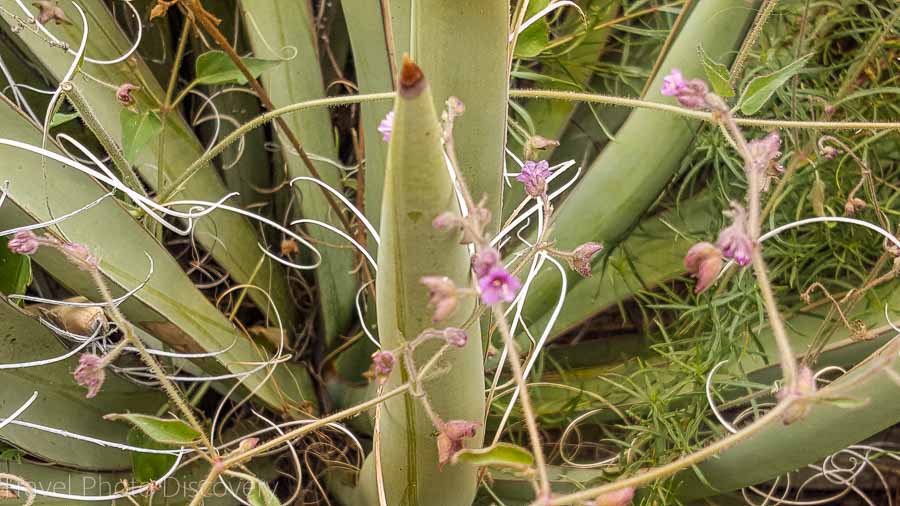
<point x="440" y="252"/>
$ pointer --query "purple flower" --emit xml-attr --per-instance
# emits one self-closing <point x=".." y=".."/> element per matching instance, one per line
<point x="580" y="261"/>
<point x="456" y="337"/>
<point x="123" y="94"/>
<point x="703" y="261"/>
<point x="764" y="152"/>
<point x="24" y="243"/>
<point x="90" y="373"/>
<point x="734" y="240"/>
<point x="534" y="176"/>
<point x="484" y="261"/>
<point x="498" y="285"/>
<point x="690" y="94"/>
<point x="442" y="295"/>
<point x="382" y="365"/>
<point x="450" y="438"/>
<point x="386" y="127"/>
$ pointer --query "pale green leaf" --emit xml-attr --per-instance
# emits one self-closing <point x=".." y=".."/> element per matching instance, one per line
<point x="498" y="455"/>
<point x="61" y="118"/>
<point x="261" y="495"/>
<point x="161" y="430"/>
<point x="137" y="131"/>
<point x="717" y="74"/>
<point x="216" y="67"/>
<point x="535" y="38"/>
<point x="147" y="467"/>
<point x="761" y="88"/>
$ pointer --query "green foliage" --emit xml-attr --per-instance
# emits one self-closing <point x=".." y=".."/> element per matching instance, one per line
<point x="146" y="467"/>
<point x="497" y="455"/>
<point x="215" y="67"/>
<point x="162" y="430"/>
<point x="138" y="129"/>
<point x="15" y="270"/>
<point x="261" y="495"/>
<point x="717" y="75"/>
<point x="761" y="88"/>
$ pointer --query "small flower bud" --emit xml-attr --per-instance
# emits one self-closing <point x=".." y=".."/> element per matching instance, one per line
<point x="455" y="108"/>
<point x="382" y="365"/>
<point x="386" y="127"/>
<point x="248" y="444"/>
<point x="456" y="337"/>
<point x="50" y="11"/>
<point x="289" y="247"/>
<point x="853" y="205"/>
<point x="690" y="94"/>
<point x="498" y="285"/>
<point x="621" y="497"/>
<point x="446" y="221"/>
<point x="450" y="438"/>
<point x="24" y="242"/>
<point x="830" y="152"/>
<point x="484" y="261"/>
<point x="442" y="295"/>
<point x="734" y="240"/>
<point x="817" y="197"/>
<point x="535" y="144"/>
<point x="123" y="94"/>
<point x="703" y="261"/>
<point x="90" y="373"/>
<point x="580" y="261"/>
<point x="765" y="151"/>
<point x="534" y="176"/>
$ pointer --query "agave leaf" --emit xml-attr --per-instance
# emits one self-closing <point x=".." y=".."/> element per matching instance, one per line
<point x="169" y="307"/>
<point x="417" y="188"/>
<point x="61" y="403"/>
<point x="461" y="46"/>
<point x="230" y="237"/>
<point x="216" y="67"/>
<point x="372" y="64"/>
<point x="761" y="88"/>
<point x="273" y="27"/>
<point x="630" y="173"/>
<point x="162" y="430"/>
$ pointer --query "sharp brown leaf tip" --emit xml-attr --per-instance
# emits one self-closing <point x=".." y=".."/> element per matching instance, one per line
<point x="411" y="77"/>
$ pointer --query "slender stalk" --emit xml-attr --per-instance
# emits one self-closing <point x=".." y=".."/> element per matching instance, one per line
<point x="167" y="103"/>
<point x="671" y="468"/>
<point x="205" y="487"/>
<point x="751" y="39"/>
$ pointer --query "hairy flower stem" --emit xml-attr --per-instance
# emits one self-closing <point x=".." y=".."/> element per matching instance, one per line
<point x="788" y="362"/>
<point x="524" y="398"/>
<point x="171" y="390"/>
<point x="205" y="487"/>
<point x="89" y="117"/>
<point x="209" y="25"/>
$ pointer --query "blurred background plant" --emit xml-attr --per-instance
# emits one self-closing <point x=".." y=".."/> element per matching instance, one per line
<point x="266" y="324"/>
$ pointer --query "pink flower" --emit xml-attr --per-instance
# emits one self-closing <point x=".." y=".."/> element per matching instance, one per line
<point x="580" y="261"/>
<point x="442" y="295"/>
<point x="24" y="242"/>
<point x="703" y="261"/>
<point x="764" y="152"/>
<point x="456" y="337"/>
<point x="621" y="497"/>
<point x="534" y="176"/>
<point x="386" y="127"/>
<point x="690" y="94"/>
<point x="484" y="261"/>
<point x="498" y="285"/>
<point x="80" y="254"/>
<point x="90" y="373"/>
<point x="123" y="94"/>
<point x="49" y="11"/>
<point x="382" y="365"/>
<point x="734" y="240"/>
<point x="446" y="221"/>
<point x="450" y="438"/>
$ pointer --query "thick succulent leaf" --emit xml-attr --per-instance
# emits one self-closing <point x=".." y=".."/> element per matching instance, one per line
<point x="461" y="46"/>
<point x="162" y="430"/>
<point x="276" y="28"/>
<point x="372" y="64"/>
<point x="418" y="188"/>
<point x="628" y="176"/>
<point x="230" y="237"/>
<point x="61" y="403"/>
<point x="169" y="307"/>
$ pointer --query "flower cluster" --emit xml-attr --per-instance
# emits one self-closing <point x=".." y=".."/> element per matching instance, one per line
<point x="534" y="177"/>
<point x="494" y="282"/>
<point x="704" y="260"/>
<point x="90" y="373"/>
<point x="689" y="93"/>
<point x="450" y="438"/>
<point x="123" y="94"/>
<point x="382" y="365"/>
<point x="26" y="242"/>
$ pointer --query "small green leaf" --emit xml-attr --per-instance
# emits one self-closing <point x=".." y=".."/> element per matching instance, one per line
<point x="162" y="430"/>
<point x="498" y="455"/>
<point x="62" y="117"/>
<point x="15" y="270"/>
<point x="216" y="67"/>
<point x="137" y="131"/>
<point x="261" y="495"/>
<point x="147" y="467"/>
<point x="717" y="74"/>
<point x="757" y="93"/>
<point x="532" y="41"/>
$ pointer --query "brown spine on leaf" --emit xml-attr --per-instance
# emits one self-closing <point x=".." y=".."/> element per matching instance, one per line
<point x="412" y="80"/>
